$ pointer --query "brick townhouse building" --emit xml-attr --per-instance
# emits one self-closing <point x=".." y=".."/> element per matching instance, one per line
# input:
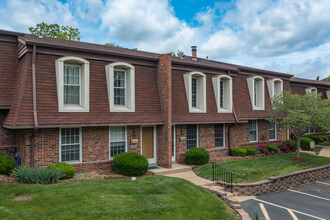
<point x="83" y="103"/>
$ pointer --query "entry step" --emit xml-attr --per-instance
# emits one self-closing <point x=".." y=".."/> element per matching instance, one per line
<point x="176" y="168"/>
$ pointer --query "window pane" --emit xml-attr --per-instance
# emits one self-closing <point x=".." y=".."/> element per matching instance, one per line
<point x="194" y="92"/>
<point x="70" y="144"/>
<point x="219" y="135"/>
<point x="272" y="131"/>
<point x="119" y="96"/>
<point x="117" y="140"/>
<point x="191" y="136"/>
<point x="119" y="87"/>
<point x="255" y="92"/>
<point x="253" y="130"/>
<point x="221" y="93"/>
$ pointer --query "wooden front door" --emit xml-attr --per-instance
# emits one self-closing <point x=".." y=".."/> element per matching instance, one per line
<point x="148" y="142"/>
<point x="284" y="134"/>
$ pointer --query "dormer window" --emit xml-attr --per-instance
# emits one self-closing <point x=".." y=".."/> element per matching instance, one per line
<point x="275" y="87"/>
<point x="311" y="89"/>
<point x="257" y="92"/>
<point x="72" y="77"/>
<point x="328" y="94"/>
<point x="121" y="87"/>
<point x="195" y="84"/>
<point x="222" y="86"/>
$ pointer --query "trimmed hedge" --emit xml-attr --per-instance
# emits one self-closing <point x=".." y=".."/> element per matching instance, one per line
<point x="249" y="150"/>
<point x="304" y="143"/>
<point x="272" y="147"/>
<point x="316" y="139"/>
<point x="130" y="164"/>
<point x="7" y="164"/>
<point x="37" y="175"/>
<point x="68" y="169"/>
<point x="238" y="151"/>
<point x="197" y="156"/>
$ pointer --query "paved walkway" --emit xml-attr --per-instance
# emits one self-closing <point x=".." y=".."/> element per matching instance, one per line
<point x="325" y="152"/>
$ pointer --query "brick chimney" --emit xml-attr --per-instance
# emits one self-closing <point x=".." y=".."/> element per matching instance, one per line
<point x="194" y="52"/>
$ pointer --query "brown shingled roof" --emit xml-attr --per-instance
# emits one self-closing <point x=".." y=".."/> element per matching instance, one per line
<point x="309" y="81"/>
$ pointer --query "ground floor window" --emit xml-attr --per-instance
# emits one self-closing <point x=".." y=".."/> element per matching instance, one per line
<point x="117" y="140"/>
<point x="272" y="131"/>
<point x="219" y="135"/>
<point x="253" y="130"/>
<point x="70" y="144"/>
<point x="310" y="130"/>
<point x="192" y="136"/>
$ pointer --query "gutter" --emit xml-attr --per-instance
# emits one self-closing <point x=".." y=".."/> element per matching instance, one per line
<point x="230" y="126"/>
<point x="34" y="99"/>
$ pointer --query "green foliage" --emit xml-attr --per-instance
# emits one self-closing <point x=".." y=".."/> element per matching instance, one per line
<point x="7" y="164"/>
<point x="130" y="164"/>
<point x="298" y="112"/>
<point x="37" y="175"/>
<point x="317" y="139"/>
<point x="113" y="44"/>
<point x="56" y="31"/>
<point x="318" y="150"/>
<point x="288" y="146"/>
<point x="179" y="53"/>
<point x="238" y="151"/>
<point x="249" y="150"/>
<point x="197" y="156"/>
<point x="68" y="169"/>
<point x="328" y="78"/>
<point x="272" y="147"/>
<point x="304" y="142"/>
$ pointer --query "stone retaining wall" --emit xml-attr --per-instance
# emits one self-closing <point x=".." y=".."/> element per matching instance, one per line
<point x="277" y="183"/>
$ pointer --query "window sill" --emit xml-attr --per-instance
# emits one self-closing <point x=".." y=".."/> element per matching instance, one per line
<point x="196" y="110"/>
<point x="220" y="148"/>
<point x="120" y="108"/>
<point x="222" y="110"/>
<point x="258" y="108"/>
<point x="71" y="162"/>
<point x="72" y="108"/>
<point x="253" y="141"/>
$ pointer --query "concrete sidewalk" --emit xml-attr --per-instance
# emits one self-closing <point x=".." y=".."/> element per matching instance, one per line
<point x="325" y="152"/>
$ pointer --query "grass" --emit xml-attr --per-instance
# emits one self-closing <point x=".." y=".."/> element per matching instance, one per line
<point x="324" y="144"/>
<point x="261" y="168"/>
<point x="152" y="197"/>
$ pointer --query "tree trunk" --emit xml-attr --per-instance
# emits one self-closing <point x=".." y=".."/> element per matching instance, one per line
<point x="298" y="148"/>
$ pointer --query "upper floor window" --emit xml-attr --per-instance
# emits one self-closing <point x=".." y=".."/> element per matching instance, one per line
<point x="121" y="87"/>
<point x="328" y="94"/>
<point x="72" y="76"/>
<point x="310" y="130"/>
<point x="257" y="92"/>
<point x="195" y="84"/>
<point x="253" y="131"/>
<point x="275" y="87"/>
<point x="311" y="89"/>
<point x="222" y="86"/>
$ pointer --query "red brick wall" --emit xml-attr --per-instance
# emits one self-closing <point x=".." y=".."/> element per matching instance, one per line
<point x="164" y="132"/>
<point x="7" y="138"/>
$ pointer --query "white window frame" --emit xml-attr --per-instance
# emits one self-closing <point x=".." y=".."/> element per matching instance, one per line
<point x="74" y="65"/>
<point x="125" y="85"/>
<point x="111" y="158"/>
<point x="275" y="130"/>
<point x="130" y="86"/>
<point x="224" y="137"/>
<point x="328" y="94"/>
<point x="255" y="130"/>
<point x="197" y="138"/>
<point x="309" y="129"/>
<point x="272" y="84"/>
<point x="227" y="93"/>
<point x="80" y="147"/>
<point x="201" y="91"/>
<point x="260" y="95"/>
<point x="192" y="80"/>
<point x="84" y="84"/>
<point x="311" y="89"/>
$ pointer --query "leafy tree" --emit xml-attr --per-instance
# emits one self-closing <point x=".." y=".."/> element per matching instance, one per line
<point x="56" y="31"/>
<point x="328" y="78"/>
<point x="318" y="78"/>
<point x="113" y="44"/>
<point x="179" y="53"/>
<point x="298" y="112"/>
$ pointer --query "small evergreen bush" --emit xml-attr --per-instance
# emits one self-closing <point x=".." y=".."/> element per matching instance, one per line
<point x="272" y="147"/>
<point x="130" y="164"/>
<point x="37" y="175"/>
<point x="238" y="151"/>
<point x="68" y="169"/>
<point x="249" y="150"/>
<point x="304" y="143"/>
<point x="315" y="138"/>
<point x="197" y="156"/>
<point x="7" y="164"/>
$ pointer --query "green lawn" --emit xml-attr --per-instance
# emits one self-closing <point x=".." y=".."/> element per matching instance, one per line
<point x="152" y="197"/>
<point x="257" y="169"/>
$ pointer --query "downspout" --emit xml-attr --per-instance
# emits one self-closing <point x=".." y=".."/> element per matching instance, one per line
<point x="34" y="98"/>
<point x="230" y="126"/>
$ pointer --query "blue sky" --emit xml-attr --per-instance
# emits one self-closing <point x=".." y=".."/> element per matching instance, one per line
<point x="291" y="36"/>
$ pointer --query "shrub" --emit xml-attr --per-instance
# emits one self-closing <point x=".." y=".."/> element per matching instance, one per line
<point x="304" y="143"/>
<point x="7" y="164"/>
<point x="315" y="138"/>
<point x="37" y="175"/>
<point x="68" y="169"/>
<point x="130" y="164"/>
<point x="238" y="151"/>
<point x="197" y="156"/>
<point x="249" y="150"/>
<point x="288" y="146"/>
<point x="272" y="147"/>
<point x="263" y="149"/>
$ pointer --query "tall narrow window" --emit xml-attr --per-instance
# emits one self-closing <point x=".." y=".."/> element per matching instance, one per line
<point x="119" y="87"/>
<point x="221" y="93"/>
<point x="194" y="92"/>
<point x="192" y="136"/>
<point x="219" y="135"/>
<point x="255" y="93"/>
<point x="253" y="130"/>
<point x="117" y="140"/>
<point x="272" y="131"/>
<point x="70" y="145"/>
<point x="310" y="130"/>
<point x="72" y="84"/>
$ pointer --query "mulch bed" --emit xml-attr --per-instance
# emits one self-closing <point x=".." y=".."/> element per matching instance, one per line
<point x="80" y="177"/>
